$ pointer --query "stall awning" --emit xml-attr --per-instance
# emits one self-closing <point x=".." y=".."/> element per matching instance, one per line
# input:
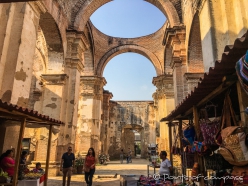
<point x="216" y="77"/>
<point x="11" y="111"/>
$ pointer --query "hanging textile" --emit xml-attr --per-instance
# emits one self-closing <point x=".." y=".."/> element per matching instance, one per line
<point x="242" y="72"/>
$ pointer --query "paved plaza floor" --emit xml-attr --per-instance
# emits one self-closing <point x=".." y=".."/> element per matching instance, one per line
<point x="137" y="167"/>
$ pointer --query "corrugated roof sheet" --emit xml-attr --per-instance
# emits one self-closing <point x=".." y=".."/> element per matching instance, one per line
<point x="213" y="79"/>
<point x="11" y="107"/>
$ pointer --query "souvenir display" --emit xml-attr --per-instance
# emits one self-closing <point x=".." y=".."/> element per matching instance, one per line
<point x="242" y="72"/>
<point x="209" y="128"/>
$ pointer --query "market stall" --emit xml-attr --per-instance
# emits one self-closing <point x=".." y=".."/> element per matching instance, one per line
<point x="213" y="123"/>
<point x="28" y="118"/>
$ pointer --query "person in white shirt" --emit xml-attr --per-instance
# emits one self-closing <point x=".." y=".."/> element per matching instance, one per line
<point x="165" y="166"/>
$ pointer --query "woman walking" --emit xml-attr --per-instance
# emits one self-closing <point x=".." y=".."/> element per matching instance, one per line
<point x="89" y="166"/>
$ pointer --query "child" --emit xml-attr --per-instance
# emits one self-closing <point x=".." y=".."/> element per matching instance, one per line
<point x="38" y="168"/>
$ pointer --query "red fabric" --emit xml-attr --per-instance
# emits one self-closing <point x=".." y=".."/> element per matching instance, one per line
<point x="42" y="178"/>
<point x="9" y="170"/>
<point x="90" y="160"/>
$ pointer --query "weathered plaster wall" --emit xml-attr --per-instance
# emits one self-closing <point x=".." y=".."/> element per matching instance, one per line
<point x="89" y="114"/>
<point x="17" y="53"/>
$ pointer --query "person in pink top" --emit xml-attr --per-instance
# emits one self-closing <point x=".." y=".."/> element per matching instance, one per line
<point x="8" y="163"/>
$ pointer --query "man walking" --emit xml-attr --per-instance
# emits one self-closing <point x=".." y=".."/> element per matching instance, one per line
<point x="66" y="165"/>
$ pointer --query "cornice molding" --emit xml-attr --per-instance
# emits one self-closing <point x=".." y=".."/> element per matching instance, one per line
<point x="54" y="79"/>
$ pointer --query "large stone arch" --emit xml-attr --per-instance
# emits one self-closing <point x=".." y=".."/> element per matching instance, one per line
<point x="54" y="43"/>
<point x="168" y="9"/>
<point x="128" y="48"/>
<point x="51" y="32"/>
<point x="83" y="11"/>
<point x="53" y="8"/>
<point x="195" y="57"/>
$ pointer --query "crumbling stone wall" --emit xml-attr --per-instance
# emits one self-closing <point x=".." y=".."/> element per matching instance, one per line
<point x="126" y="116"/>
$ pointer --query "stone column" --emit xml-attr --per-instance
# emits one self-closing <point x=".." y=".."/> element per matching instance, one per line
<point x="164" y="104"/>
<point x="74" y="65"/>
<point x="18" y="32"/>
<point x="89" y="114"/>
<point x="105" y="129"/>
<point x="175" y="40"/>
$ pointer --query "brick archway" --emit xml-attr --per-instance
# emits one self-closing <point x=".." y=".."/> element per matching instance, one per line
<point x="129" y="48"/>
<point x="195" y="58"/>
<point x="84" y="9"/>
<point x="59" y="17"/>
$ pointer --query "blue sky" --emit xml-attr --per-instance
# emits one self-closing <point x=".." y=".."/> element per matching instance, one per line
<point x="129" y="75"/>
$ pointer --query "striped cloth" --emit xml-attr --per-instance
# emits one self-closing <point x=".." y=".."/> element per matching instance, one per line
<point x="242" y="72"/>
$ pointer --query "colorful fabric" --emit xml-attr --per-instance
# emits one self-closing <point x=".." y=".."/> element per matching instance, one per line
<point x="189" y="134"/>
<point x="242" y="71"/>
<point x="209" y="130"/>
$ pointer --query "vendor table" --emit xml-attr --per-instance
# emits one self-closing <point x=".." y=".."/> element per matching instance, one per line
<point x="34" y="182"/>
<point x="153" y="166"/>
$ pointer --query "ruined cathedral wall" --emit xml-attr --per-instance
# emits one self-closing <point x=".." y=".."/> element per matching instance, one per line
<point x="18" y="40"/>
<point x="221" y="22"/>
<point x="114" y="135"/>
<point x="126" y="116"/>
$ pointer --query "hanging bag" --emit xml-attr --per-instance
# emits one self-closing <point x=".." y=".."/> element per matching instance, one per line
<point x="209" y="128"/>
<point x="189" y="134"/>
<point x="233" y="147"/>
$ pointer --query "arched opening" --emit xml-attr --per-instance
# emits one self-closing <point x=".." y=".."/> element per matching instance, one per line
<point x="129" y="77"/>
<point x="195" y="57"/>
<point x="137" y="143"/>
<point x="53" y="43"/>
<point x="121" y="18"/>
<point x="82" y="11"/>
<point x="129" y="48"/>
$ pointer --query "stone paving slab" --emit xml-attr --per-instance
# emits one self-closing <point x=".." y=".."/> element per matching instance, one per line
<point x="138" y="167"/>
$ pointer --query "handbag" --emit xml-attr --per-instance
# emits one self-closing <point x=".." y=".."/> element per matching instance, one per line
<point x="86" y="169"/>
<point x="209" y="128"/>
<point x="233" y="147"/>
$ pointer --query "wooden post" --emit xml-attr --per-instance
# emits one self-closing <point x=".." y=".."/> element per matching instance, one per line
<point x="170" y="143"/>
<point x="181" y="146"/>
<point x="198" y="133"/>
<point x="48" y="154"/>
<point x="18" y="151"/>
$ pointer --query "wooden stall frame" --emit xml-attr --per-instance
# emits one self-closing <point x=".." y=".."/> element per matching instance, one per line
<point x="14" y="114"/>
